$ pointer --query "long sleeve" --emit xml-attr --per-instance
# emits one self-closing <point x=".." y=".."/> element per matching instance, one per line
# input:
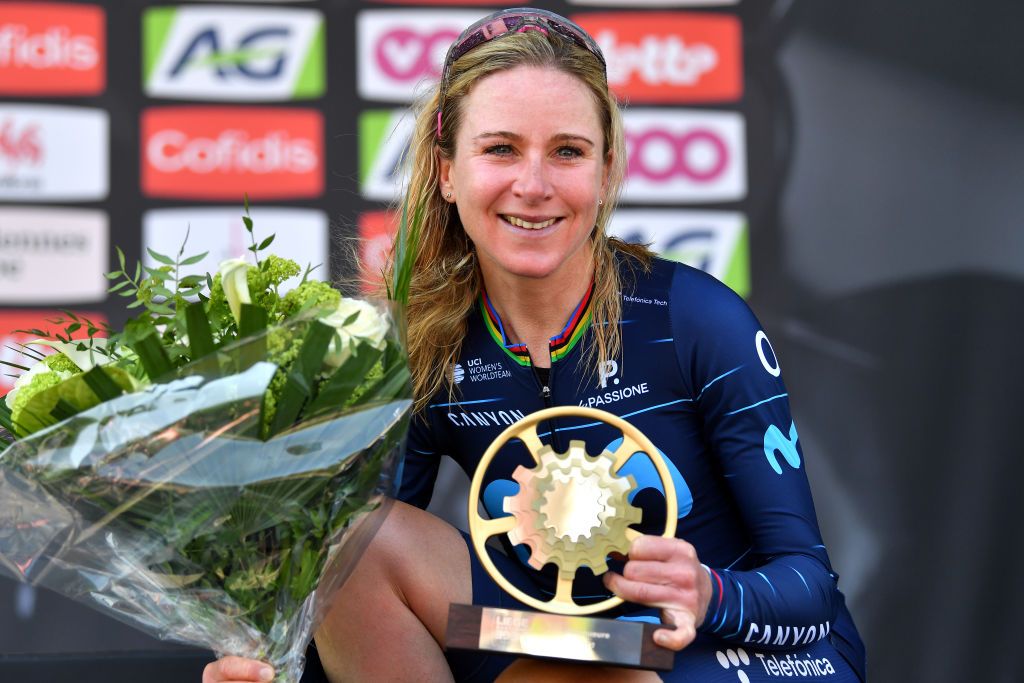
<point x="782" y="593"/>
<point x="420" y="466"/>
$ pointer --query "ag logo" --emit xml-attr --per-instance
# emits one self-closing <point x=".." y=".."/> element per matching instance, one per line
<point x="713" y="241"/>
<point x="384" y="138"/>
<point x="221" y="53"/>
<point x="458" y="373"/>
<point x="733" y="659"/>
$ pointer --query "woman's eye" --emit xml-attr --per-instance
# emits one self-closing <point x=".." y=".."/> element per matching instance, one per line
<point x="499" y="149"/>
<point x="570" y="152"/>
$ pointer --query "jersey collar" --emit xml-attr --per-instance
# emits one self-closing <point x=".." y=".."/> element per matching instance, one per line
<point x="559" y="346"/>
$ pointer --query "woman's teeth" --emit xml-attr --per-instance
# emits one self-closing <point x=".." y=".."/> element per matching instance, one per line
<point x="518" y="222"/>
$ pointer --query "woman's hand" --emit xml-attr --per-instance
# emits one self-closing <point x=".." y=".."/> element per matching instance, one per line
<point x="665" y="572"/>
<point x="237" y="670"/>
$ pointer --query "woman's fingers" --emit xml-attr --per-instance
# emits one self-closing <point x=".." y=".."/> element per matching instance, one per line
<point x="650" y="594"/>
<point x="237" y="670"/>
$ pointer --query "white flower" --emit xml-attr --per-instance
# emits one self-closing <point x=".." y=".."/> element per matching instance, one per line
<point x="236" y="285"/>
<point x="39" y="368"/>
<point x="368" y="326"/>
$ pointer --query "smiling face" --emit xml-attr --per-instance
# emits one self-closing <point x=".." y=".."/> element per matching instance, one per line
<point x="528" y="170"/>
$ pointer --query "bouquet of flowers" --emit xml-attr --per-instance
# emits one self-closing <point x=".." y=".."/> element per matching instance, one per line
<point x="211" y="472"/>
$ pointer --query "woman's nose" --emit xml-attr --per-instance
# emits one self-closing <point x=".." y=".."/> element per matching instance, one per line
<point x="532" y="182"/>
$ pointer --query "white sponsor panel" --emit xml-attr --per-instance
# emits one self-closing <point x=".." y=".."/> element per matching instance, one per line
<point x="300" y="235"/>
<point x="399" y="53"/>
<point x="676" y="155"/>
<point x="53" y="256"/>
<point x="707" y="240"/>
<point x="654" y="3"/>
<point x="233" y="53"/>
<point x="52" y="153"/>
<point x="386" y="173"/>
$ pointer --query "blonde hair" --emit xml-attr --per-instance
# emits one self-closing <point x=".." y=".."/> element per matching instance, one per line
<point x="446" y="278"/>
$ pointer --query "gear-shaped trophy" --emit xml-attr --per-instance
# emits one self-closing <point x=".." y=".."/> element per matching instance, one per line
<point x="572" y="510"/>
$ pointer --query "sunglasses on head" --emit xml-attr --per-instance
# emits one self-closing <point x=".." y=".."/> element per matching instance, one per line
<point x="508" y="21"/>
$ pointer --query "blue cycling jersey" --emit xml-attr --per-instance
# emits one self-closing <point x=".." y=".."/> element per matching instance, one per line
<point x="698" y="376"/>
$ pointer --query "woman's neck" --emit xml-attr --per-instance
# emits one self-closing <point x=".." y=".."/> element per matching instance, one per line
<point x="533" y="310"/>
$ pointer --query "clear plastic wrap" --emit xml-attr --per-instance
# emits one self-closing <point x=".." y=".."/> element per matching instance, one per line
<point x="170" y="509"/>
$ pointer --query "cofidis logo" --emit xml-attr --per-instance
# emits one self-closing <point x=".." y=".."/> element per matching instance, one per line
<point x="50" y="153"/>
<point x="684" y="155"/>
<point x="670" y="57"/>
<point x="400" y="52"/>
<point x="10" y="338"/>
<point x="232" y="53"/>
<point x="656" y="3"/>
<point x="223" y="152"/>
<point x="37" y="243"/>
<point x="52" y="49"/>
<point x="713" y="241"/>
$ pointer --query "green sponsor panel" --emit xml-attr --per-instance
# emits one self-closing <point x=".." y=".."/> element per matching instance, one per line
<point x="737" y="273"/>
<point x="312" y="80"/>
<point x="374" y="125"/>
<point x="156" y="27"/>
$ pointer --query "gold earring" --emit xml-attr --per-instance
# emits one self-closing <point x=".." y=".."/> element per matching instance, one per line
<point x="448" y="196"/>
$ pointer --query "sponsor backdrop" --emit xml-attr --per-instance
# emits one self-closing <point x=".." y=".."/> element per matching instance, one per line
<point x="132" y="124"/>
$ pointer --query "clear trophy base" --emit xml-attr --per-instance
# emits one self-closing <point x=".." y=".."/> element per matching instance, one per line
<point x="606" y="642"/>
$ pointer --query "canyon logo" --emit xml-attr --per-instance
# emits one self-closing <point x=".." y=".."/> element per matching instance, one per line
<point x="224" y="152"/>
<point x="226" y="53"/>
<point x="677" y="155"/>
<point x="36" y="244"/>
<point x="52" y="153"/>
<point x="399" y="53"/>
<point x="670" y="57"/>
<point x="52" y="49"/>
<point x="713" y="241"/>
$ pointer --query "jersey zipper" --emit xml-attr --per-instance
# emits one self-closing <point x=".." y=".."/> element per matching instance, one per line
<point x="545" y="395"/>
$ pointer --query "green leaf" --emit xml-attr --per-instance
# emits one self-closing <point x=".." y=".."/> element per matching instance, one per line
<point x="73" y="327"/>
<point x="266" y="243"/>
<point x="101" y="384"/>
<point x="153" y="356"/>
<point x="191" y="280"/>
<point x="160" y="309"/>
<point x="62" y="410"/>
<point x="120" y="285"/>
<point x="298" y="387"/>
<point x="120" y="257"/>
<point x="338" y="389"/>
<point x="166" y="260"/>
<point x="114" y="274"/>
<point x="200" y="336"/>
<point x="192" y="260"/>
<point x="157" y="274"/>
<point x="252" y="324"/>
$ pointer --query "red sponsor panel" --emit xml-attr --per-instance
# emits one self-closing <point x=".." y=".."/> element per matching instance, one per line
<point x="449" y="3"/>
<point x="52" y="49"/>
<point x="221" y="153"/>
<point x="376" y="232"/>
<point x="670" y="57"/>
<point x="28" y="320"/>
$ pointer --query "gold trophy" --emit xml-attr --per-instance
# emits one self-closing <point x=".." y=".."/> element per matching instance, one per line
<point x="572" y="510"/>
